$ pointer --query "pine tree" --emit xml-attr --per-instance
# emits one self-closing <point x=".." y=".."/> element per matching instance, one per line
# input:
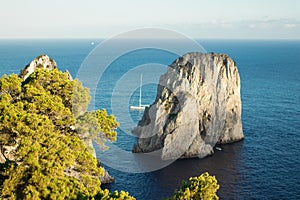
<point x="198" y="188"/>
<point x="44" y="117"/>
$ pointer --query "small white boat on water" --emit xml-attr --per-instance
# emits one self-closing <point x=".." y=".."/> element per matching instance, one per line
<point x="218" y="148"/>
<point x="140" y="106"/>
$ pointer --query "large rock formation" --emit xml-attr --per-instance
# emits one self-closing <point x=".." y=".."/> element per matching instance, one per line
<point x="198" y="104"/>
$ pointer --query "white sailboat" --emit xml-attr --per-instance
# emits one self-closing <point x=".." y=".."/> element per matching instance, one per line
<point x="140" y="106"/>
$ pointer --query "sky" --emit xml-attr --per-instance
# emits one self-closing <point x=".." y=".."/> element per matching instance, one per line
<point x="239" y="19"/>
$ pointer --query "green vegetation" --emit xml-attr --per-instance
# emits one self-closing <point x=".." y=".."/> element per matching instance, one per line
<point x="201" y="187"/>
<point x="106" y="195"/>
<point x="45" y="117"/>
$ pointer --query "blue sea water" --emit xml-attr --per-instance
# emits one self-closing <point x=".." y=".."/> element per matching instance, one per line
<point x="265" y="165"/>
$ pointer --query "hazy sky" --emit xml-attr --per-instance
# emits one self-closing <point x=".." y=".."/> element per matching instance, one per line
<point x="194" y="18"/>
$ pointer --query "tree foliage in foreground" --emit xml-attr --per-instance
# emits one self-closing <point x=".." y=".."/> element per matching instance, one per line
<point x="196" y="188"/>
<point x="45" y="117"/>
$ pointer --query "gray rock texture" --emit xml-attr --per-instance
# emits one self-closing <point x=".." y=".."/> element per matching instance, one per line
<point x="198" y="105"/>
<point x="42" y="61"/>
<point x="8" y="152"/>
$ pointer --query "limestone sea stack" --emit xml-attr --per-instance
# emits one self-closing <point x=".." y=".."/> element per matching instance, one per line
<point x="197" y="105"/>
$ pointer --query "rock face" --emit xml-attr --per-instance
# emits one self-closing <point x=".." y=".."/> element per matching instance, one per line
<point x="8" y="153"/>
<point x="197" y="105"/>
<point x="106" y="178"/>
<point x="42" y="61"/>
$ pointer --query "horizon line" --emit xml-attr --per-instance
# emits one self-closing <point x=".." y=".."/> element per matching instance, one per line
<point x="106" y="38"/>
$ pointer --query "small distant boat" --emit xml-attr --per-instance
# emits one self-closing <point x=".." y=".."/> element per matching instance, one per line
<point x="218" y="148"/>
<point x="140" y="106"/>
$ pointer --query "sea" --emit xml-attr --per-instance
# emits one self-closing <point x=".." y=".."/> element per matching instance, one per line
<point x="265" y="165"/>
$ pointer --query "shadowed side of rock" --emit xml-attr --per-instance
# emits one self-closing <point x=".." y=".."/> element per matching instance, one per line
<point x="197" y="105"/>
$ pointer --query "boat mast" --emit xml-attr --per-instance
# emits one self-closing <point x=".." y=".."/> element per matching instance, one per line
<point x="140" y="101"/>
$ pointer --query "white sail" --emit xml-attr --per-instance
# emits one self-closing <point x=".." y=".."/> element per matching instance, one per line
<point x="140" y="106"/>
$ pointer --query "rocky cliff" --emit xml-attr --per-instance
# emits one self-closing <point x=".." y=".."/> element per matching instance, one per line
<point x="42" y="61"/>
<point x="198" y="104"/>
